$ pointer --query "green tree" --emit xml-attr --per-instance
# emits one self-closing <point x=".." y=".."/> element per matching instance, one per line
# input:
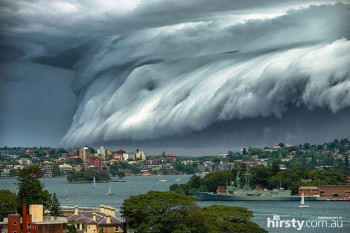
<point x="212" y="180"/>
<point x="121" y="175"/>
<point x="30" y="189"/>
<point x="54" y="207"/>
<point x="216" y="161"/>
<point x="173" y="187"/>
<point x="275" y="167"/>
<point x="167" y="212"/>
<point x="230" y="156"/>
<point x="8" y="203"/>
<point x="261" y="175"/>
<point x="70" y="228"/>
<point x="306" y="146"/>
<point x="227" y="219"/>
<point x="157" y="211"/>
<point x="195" y="182"/>
<point x="56" y="170"/>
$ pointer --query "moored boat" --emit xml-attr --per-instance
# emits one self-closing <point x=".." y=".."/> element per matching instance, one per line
<point x="236" y="193"/>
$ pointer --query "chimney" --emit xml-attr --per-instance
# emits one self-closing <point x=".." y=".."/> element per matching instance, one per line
<point x="113" y="212"/>
<point x="24" y="210"/>
<point x="37" y="212"/>
<point x="76" y="212"/>
<point x="102" y="208"/>
<point x="94" y="216"/>
<point x="108" y="210"/>
<point x="108" y="219"/>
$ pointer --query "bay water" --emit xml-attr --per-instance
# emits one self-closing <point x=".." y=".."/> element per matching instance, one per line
<point x="271" y="215"/>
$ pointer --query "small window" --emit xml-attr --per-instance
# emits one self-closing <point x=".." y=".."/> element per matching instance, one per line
<point x="28" y="225"/>
<point x="14" y="222"/>
<point x="15" y="232"/>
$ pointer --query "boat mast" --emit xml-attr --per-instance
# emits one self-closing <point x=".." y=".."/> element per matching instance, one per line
<point x="247" y="180"/>
<point x="238" y="181"/>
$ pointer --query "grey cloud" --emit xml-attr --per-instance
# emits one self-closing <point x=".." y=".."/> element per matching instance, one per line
<point x="163" y="69"/>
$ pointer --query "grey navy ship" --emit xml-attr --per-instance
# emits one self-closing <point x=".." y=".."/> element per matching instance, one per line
<point x="247" y="194"/>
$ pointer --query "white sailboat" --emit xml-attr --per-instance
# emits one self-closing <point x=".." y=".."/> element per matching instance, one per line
<point x="110" y="191"/>
<point x="94" y="182"/>
<point x="302" y="202"/>
<point x="67" y="194"/>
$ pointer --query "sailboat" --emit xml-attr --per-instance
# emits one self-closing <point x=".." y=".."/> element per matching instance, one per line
<point x="109" y="191"/>
<point x="67" y="194"/>
<point x="94" y="182"/>
<point x="302" y="202"/>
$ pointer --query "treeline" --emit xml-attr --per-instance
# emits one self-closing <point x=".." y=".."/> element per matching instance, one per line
<point x="87" y="175"/>
<point x="262" y="177"/>
<point x="168" y="212"/>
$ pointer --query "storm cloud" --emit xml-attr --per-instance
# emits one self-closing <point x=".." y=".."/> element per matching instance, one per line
<point x="154" y="71"/>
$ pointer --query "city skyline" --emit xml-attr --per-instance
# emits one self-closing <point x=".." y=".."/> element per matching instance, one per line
<point x="192" y="78"/>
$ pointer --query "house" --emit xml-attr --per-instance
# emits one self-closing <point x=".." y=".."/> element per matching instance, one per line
<point x="65" y="168"/>
<point x="34" y="222"/>
<point x="140" y="155"/>
<point x="96" y="163"/>
<point x="47" y="167"/>
<point x="171" y="158"/>
<point x="24" y="161"/>
<point x="93" y="221"/>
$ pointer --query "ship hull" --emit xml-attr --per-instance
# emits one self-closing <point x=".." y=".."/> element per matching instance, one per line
<point x="203" y="196"/>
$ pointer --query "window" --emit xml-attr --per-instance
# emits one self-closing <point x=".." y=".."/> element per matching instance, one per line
<point x="14" y="222"/>
<point x="15" y="232"/>
<point x="347" y="193"/>
<point x="28" y="225"/>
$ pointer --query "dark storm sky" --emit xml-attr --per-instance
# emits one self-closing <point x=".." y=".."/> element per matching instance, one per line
<point x="194" y="77"/>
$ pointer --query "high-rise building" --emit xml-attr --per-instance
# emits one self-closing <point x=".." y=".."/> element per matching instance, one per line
<point x="103" y="152"/>
<point x="84" y="154"/>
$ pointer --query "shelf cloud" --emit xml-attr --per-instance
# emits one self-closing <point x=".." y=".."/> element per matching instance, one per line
<point x="149" y="70"/>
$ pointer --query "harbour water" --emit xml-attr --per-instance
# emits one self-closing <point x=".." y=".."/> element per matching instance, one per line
<point x="86" y="195"/>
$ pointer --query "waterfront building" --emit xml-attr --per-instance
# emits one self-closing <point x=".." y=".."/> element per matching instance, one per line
<point x="335" y="191"/>
<point x="65" y="168"/>
<point x="47" y="168"/>
<point x="34" y="222"/>
<point x="308" y="190"/>
<point x="5" y="173"/>
<point x="93" y="221"/>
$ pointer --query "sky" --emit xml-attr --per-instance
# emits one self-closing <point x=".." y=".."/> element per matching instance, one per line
<point x="192" y="77"/>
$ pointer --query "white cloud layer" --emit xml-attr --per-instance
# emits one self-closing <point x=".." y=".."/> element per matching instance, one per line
<point x="150" y="69"/>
